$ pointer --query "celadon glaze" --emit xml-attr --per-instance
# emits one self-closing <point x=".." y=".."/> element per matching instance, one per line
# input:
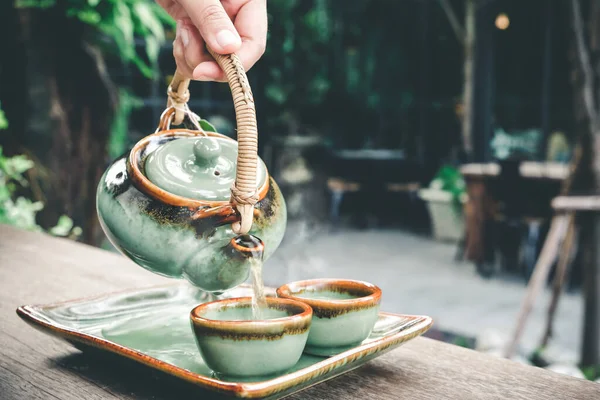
<point x="344" y="312"/>
<point x="251" y="348"/>
<point x="251" y="358"/>
<point x="329" y="336"/>
<point x="151" y="326"/>
<point x="172" y="240"/>
<point x="201" y="168"/>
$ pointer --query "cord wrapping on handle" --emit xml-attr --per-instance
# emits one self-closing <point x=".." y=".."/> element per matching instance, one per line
<point x="179" y="95"/>
<point x="244" y="194"/>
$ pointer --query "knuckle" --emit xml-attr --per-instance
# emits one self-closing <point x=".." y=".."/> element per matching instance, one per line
<point x="191" y="62"/>
<point x="177" y="52"/>
<point x="213" y="13"/>
<point x="177" y="48"/>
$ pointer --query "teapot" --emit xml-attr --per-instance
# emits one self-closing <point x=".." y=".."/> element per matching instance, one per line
<point x="187" y="203"/>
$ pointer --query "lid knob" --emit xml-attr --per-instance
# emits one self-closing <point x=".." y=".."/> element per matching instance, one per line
<point x="197" y="167"/>
<point x="206" y="152"/>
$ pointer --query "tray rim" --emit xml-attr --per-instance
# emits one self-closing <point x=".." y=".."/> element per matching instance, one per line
<point x="259" y="389"/>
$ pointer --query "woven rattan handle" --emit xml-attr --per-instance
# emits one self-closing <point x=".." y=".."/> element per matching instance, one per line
<point x="243" y="193"/>
<point x="178" y="96"/>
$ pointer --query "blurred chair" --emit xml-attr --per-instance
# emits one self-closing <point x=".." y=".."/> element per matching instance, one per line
<point x="509" y="211"/>
<point x="370" y="175"/>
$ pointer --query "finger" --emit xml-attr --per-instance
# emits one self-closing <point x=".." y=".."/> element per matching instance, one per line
<point x="209" y="71"/>
<point x="252" y="24"/>
<point x="194" y="50"/>
<point x="214" y="25"/>
<point x="179" y="55"/>
<point x="172" y="8"/>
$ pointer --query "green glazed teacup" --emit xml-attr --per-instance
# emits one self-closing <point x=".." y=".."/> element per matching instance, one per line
<point x="233" y="344"/>
<point x="344" y="312"/>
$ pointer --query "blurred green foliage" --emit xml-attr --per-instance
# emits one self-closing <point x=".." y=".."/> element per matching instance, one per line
<point x="297" y="74"/>
<point x="117" y="24"/>
<point x="591" y="372"/>
<point x="118" y="140"/>
<point x="122" y="21"/>
<point x="450" y="179"/>
<point x="18" y="210"/>
<point x="3" y="121"/>
<point x="329" y="69"/>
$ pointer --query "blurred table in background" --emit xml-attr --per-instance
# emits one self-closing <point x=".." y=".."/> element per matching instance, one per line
<point x="508" y="209"/>
<point x="371" y="174"/>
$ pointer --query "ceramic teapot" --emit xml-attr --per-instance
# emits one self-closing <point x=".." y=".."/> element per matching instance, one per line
<point x="186" y="203"/>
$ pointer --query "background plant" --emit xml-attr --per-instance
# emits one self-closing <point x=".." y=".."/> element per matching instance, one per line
<point x="66" y="51"/>
<point x="449" y="179"/>
<point x="122" y="22"/>
<point x="17" y="210"/>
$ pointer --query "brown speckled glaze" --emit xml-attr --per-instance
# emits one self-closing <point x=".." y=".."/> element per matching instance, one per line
<point x="182" y="237"/>
<point x="367" y="295"/>
<point x="297" y="322"/>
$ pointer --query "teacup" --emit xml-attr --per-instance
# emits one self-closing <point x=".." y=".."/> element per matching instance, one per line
<point x="234" y="344"/>
<point x="344" y="312"/>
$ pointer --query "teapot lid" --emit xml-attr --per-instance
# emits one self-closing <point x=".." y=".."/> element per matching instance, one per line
<point x="199" y="168"/>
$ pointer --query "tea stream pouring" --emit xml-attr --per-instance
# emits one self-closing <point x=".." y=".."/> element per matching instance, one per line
<point x="187" y="203"/>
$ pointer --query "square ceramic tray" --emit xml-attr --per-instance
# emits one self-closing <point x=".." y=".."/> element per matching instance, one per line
<point x="151" y="326"/>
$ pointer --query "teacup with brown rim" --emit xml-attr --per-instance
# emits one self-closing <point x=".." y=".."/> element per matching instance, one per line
<point x="344" y="312"/>
<point x="234" y="344"/>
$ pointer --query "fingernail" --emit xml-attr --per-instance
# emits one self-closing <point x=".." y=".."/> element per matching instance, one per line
<point x="185" y="36"/>
<point x="226" y="38"/>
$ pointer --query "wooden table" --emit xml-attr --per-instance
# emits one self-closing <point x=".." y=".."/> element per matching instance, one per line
<point x="35" y="268"/>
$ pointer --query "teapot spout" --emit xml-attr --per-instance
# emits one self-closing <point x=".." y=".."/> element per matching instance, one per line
<point x="248" y="246"/>
<point x="227" y="266"/>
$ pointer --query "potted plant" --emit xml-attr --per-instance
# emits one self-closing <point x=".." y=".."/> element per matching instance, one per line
<point x="445" y="197"/>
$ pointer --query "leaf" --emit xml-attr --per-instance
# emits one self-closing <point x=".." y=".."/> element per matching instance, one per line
<point x="276" y="93"/>
<point x="275" y="73"/>
<point x="90" y="17"/>
<point x="22" y="213"/>
<point x="15" y="166"/>
<point x="318" y="87"/>
<point x="146" y="70"/>
<point x="147" y="17"/>
<point x="162" y="15"/>
<point x="152" y="48"/>
<point x="110" y="30"/>
<point x="124" y="24"/>
<point x="450" y="179"/>
<point x="76" y="231"/>
<point x="34" y="3"/>
<point x="207" y="126"/>
<point x="3" y="120"/>
<point x="117" y="141"/>
<point x="590" y="372"/>
<point x="93" y="3"/>
<point x="5" y="194"/>
<point x="63" y="226"/>
<point x="288" y="45"/>
<point x="19" y="164"/>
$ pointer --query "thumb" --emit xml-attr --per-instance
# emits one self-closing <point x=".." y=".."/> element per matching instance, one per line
<point x="214" y="25"/>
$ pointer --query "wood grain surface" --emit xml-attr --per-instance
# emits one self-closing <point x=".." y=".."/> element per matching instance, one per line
<point x="38" y="269"/>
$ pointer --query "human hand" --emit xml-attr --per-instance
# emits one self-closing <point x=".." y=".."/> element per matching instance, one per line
<point x="226" y="26"/>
